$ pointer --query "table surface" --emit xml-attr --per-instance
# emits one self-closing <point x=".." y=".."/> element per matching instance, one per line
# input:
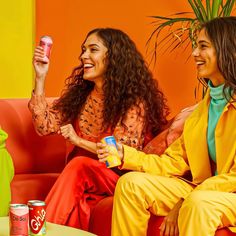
<point x="52" y="229"/>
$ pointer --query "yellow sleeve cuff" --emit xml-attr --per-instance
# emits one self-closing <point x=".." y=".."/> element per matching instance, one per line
<point x="131" y="158"/>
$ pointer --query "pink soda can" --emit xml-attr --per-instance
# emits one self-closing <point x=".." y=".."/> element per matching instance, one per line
<point x="46" y="44"/>
<point x="37" y="214"/>
<point x="18" y="219"/>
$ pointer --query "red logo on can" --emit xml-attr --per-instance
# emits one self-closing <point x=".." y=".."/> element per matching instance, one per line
<point x="37" y="214"/>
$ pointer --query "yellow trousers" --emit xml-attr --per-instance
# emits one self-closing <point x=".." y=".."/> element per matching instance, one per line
<point x="139" y="194"/>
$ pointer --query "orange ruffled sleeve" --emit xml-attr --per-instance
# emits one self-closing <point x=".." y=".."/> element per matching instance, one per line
<point x="46" y="120"/>
<point x="131" y="129"/>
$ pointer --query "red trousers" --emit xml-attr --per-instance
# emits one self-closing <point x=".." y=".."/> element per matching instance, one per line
<point x="81" y="185"/>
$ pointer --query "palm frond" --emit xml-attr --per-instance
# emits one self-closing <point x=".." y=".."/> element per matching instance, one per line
<point x="196" y="10"/>
<point x="168" y="22"/>
<point x="203" y="11"/>
<point x="227" y="8"/>
<point x="199" y="5"/>
<point x="216" y="4"/>
<point x="208" y="9"/>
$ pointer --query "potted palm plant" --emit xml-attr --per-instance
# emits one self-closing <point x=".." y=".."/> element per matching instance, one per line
<point x="179" y="29"/>
<point x="181" y="26"/>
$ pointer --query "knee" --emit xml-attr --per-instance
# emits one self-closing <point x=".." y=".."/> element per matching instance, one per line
<point x="195" y="198"/>
<point x="78" y="165"/>
<point x="129" y="182"/>
<point x="196" y="201"/>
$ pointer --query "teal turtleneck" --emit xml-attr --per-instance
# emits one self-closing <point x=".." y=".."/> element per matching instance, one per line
<point x="217" y="104"/>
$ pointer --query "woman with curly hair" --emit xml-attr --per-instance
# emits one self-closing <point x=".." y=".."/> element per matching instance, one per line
<point x="111" y="92"/>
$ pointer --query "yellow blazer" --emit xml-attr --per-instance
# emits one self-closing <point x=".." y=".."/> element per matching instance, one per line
<point x="190" y="152"/>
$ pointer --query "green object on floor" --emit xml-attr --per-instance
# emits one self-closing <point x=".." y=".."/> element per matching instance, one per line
<point x="6" y="175"/>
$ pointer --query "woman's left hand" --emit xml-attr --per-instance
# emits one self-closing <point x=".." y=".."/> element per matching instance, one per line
<point x="102" y="152"/>
<point x="169" y="226"/>
<point x="68" y="132"/>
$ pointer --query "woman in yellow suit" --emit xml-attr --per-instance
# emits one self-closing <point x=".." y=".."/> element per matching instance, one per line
<point x="206" y="151"/>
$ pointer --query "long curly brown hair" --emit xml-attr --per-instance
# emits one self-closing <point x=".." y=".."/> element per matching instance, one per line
<point x="127" y="81"/>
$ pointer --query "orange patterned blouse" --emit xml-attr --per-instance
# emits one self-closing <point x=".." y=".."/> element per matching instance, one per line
<point x="130" y="130"/>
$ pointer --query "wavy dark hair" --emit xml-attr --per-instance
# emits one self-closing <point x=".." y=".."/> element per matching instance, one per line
<point x="222" y="33"/>
<point x="127" y="81"/>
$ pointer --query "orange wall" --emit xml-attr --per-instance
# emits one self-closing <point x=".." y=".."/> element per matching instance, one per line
<point x="69" y="21"/>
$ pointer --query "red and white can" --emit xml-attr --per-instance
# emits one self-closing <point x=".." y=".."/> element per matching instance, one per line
<point x="37" y="214"/>
<point x="18" y="219"/>
<point x="46" y="44"/>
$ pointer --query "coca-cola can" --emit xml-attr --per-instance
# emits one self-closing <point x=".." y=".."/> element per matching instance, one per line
<point x="37" y="214"/>
<point x="46" y="44"/>
<point x="18" y="219"/>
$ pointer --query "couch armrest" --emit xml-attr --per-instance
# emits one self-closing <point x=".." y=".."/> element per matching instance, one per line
<point x="30" y="152"/>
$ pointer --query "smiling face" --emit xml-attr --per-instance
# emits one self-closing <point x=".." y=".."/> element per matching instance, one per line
<point x="93" y="58"/>
<point x="206" y="59"/>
